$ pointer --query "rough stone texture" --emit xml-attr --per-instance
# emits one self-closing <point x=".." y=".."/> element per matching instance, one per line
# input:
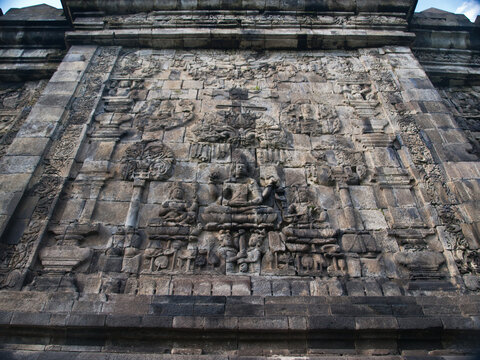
<point x="31" y="41"/>
<point x="176" y="193"/>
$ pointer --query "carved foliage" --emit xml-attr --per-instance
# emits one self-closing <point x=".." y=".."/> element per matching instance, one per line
<point x="148" y="161"/>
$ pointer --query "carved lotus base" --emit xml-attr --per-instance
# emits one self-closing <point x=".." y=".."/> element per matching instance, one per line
<point x="170" y="232"/>
<point x="218" y="221"/>
<point x="316" y="235"/>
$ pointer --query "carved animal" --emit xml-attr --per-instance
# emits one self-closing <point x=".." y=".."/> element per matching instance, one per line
<point x="161" y="262"/>
<point x="307" y="262"/>
<point x="318" y="262"/>
<point x="212" y="258"/>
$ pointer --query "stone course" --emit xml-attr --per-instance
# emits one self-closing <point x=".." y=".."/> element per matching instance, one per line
<point x="239" y="180"/>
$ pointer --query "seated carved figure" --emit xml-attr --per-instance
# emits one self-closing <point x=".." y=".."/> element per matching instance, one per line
<point x="302" y="214"/>
<point x="176" y="211"/>
<point x="240" y="201"/>
<point x="307" y="222"/>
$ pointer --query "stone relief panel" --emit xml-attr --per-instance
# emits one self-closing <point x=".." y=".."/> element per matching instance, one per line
<point x="464" y="102"/>
<point x="16" y="101"/>
<point x="241" y="163"/>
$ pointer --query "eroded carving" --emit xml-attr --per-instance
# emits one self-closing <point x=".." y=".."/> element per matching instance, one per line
<point x="148" y="161"/>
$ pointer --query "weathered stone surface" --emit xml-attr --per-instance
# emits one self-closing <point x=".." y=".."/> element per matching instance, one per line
<point x="176" y="193"/>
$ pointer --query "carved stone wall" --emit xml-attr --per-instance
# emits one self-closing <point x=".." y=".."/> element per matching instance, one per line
<point x="225" y="179"/>
<point x="16" y="103"/>
<point x="245" y="169"/>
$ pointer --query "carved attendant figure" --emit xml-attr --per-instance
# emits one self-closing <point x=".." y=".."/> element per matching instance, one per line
<point x="176" y="210"/>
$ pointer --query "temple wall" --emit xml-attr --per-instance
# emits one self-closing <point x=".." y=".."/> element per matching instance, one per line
<point x="334" y="192"/>
<point x="281" y="184"/>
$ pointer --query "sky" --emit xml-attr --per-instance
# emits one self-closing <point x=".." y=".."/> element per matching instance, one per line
<point x="471" y="8"/>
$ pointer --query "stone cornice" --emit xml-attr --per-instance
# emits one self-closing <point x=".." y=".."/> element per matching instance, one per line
<point x="76" y="7"/>
<point x="278" y="38"/>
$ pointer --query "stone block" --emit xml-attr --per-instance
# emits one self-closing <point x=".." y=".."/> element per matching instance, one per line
<point x="261" y="287"/>
<point x="330" y="323"/>
<point x="221" y="323"/>
<point x="373" y="219"/>
<point x="241" y="288"/>
<point x="221" y="287"/>
<point x="240" y="310"/>
<point x="161" y="322"/>
<point x="55" y="100"/>
<point x="188" y="322"/>
<point x="406" y="217"/>
<point x="419" y="323"/>
<point x="30" y="319"/>
<point x="281" y="288"/>
<point x="17" y="164"/>
<point x="372" y="288"/>
<point x="182" y="287"/>
<point x="138" y="305"/>
<point x="203" y="288"/>
<point x="189" y="4"/>
<point x="9" y="202"/>
<point x="72" y="66"/>
<point x="355" y="288"/>
<point x="431" y="310"/>
<point x="123" y="321"/>
<point x="432" y="107"/>
<point x="208" y="309"/>
<point x="407" y="310"/>
<point x="61" y="88"/>
<point x="86" y="320"/>
<point x="376" y="323"/>
<point x="361" y="310"/>
<point x="58" y="320"/>
<point x="87" y="306"/>
<point x="300" y="288"/>
<point x="412" y="73"/>
<point x="172" y="84"/>
<point x="391" y="289"/>
<point x="37" y="129"/>
<point x="110" y="212"/>
<point x="363" y="197"/>
<point x="264" y="324"/>
<point x="295" y="177"/>
<point x="297" y="323"/>
<point x="335" y="288"/>
<point x="192" y="84"/>
<point x="60" y="302"/>
<point x="5" y="317"/>
<point x="292" y="309"/>
<point x="67" y="76"/>
<point x="28" y="146"/>
<point x="184" y="171"/>
<point x="171" y="309"/>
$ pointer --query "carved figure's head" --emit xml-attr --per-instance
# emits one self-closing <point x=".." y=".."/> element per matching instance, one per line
<point x="226" y="238"/>
<point x="177" y="192"/>
<point x="303" y="195"/>
<point x="256" y="239"/>
<point x="240" y="166"/>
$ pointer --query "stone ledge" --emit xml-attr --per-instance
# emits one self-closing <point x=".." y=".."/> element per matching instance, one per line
<point x="95" y="325"/>
<point x="239" y="39"/>
<point x="241" y="312"/>
<point x="399" y="6"/>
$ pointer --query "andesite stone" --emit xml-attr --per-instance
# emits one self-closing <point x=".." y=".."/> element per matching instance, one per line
<point x="206" y="179"/>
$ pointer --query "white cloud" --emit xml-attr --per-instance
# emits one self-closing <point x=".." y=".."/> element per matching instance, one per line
<point x="470" y="8"/>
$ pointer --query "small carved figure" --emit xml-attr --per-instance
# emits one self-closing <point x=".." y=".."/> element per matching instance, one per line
<point x="227" y="250"/>
<point x="303" y="214"/>
<point x="254" y="253"/>
<point x="177" y="211"/>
